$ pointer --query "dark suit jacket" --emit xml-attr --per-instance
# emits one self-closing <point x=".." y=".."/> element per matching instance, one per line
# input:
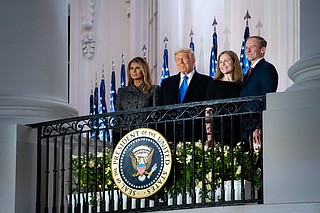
<point x="262" y="80"/>
<point x="170" y="95"/>
<point x="196" y="90"/>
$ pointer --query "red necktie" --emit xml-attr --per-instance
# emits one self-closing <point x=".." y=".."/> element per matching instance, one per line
<point x="250" y="70"/>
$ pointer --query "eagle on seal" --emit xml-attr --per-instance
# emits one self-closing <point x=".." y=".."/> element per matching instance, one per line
<point x="141" y="161"/>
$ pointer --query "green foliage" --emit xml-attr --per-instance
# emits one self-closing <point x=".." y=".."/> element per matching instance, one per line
<point x="196" y="163"/>
<point x="90" y="173"/>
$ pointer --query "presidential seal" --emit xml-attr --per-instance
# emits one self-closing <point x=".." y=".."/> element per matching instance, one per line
<point x="141" y="163"/>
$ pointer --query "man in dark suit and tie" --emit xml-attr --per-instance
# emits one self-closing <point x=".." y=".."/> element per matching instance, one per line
<point x="262" y="78"/>
<point x="186" y="86"/>
<point x="197" y="83"/>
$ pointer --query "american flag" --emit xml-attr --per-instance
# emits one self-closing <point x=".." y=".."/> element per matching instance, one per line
<point x="244" y="62"/>
<point x="96" y="99"/>
<point x="91" y="102"/>
<point x="165" y="68"/>
<point x="103" y="105"/>
<point x="95" y="109"/>
<point x="214" y="50"/>
<point x="92" y="111"/>
<point x="191" y="45"/>
<point x="113" y="95"/>
<point x="102" y="109"/>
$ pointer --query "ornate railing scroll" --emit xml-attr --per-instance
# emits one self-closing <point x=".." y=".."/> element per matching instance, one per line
<point x="66" y="145"/>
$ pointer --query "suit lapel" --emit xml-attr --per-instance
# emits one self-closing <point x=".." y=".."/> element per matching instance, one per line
<point x="176" y="86"/>
<point x="247" y="76"/>
<point x="193" y="82"/>
<point x="177" y="81"/>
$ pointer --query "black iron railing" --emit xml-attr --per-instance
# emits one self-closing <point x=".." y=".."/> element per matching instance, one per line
<point x="74" y="157"/>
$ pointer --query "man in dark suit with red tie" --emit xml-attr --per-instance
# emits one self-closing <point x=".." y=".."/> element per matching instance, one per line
<point x="195" y="84"/>
<point x="262" y="78"/>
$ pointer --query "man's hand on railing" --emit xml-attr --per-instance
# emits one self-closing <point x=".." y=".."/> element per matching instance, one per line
<point x="209" y="137"/>
<point x="257" y="138"/>
<point x="208" y="113"/>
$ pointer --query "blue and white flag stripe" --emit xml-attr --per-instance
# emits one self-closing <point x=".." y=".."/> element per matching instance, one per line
<point x="244" y="62"/>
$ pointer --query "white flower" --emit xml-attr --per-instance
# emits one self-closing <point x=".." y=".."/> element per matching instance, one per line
<point x="199" y="144"/>
<point x="178" y="159"/>
<point x="208" y="186"/>
<point x="91" y="164"/>
<point x="258" y="170"/>
<point x="238" y="172"/>
<point x="188" y="159"/>
<point x="209" y="176"/>
<point x="107" y="170"/>
<point x="179" y="145"/>
<point x="235" y="161"/>
<point x="219" y="180"/>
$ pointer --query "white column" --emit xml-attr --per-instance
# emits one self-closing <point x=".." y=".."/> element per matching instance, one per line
<point x="33" y="61"/>
<point x="306" y="72"/>
<point x="18" y="157"/>
<point x="291" y="123"/>
<point x="33" y="88"/>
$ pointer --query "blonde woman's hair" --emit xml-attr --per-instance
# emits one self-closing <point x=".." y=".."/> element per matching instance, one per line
<point x="147" y="81"/>
<point x="237" y="71"/>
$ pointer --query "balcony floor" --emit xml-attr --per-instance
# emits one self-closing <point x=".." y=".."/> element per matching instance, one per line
<point x="261" y="208"/>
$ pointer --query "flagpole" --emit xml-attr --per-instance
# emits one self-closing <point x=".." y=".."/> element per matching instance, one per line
<point x="165" y="67"/>
<point x="191" y="45"/>
<point x="214" y="50"/>
<point x="122" y="72"/>
<point x="112" y="89"/>
<point x="96" y="97"/>
<point x="103" y="134"/>
<point x="95" y="108"/>
<point x="144" y="49"/>
<point x="244" y="62"/>
<point x="103" y="105"/>
<point x="91" y="101"/>
<point x="113" y="96"/>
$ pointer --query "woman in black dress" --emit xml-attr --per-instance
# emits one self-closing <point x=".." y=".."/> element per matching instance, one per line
<point x="228" y="77"/>
<point x="226" y="84"/>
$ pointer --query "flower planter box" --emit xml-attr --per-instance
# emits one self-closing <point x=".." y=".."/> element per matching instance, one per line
<point x="237" y="190"/>
<point x="116" y="200"/>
